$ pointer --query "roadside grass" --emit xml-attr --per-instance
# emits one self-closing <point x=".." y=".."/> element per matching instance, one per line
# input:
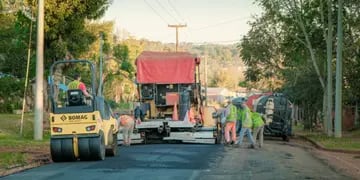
<point x="349" y="141"/>
<point x="15" y="150"/>
<point x="11" y="159"/>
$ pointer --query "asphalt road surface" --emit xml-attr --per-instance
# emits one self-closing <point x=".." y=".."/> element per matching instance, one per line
<point x="188" y="161"/>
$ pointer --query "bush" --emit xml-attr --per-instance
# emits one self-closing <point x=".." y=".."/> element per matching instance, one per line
<point x="11" y="92"/>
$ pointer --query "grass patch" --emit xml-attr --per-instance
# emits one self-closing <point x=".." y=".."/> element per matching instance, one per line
<point x="11" y="159"/>
<point x="11" y="141"/>
<point x="15" y="149"/>
<point x="348" y="143"/>
<point x="10" y="124"/>
<point x="350" y="139"/>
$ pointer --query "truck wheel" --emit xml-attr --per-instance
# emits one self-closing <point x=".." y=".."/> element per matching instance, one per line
<point x="219" y="137"/>
<point x="97" y="147"/>
<point x="84" y="149"/>
<point x="112" y="151"/>
<point x="285" y="138"/>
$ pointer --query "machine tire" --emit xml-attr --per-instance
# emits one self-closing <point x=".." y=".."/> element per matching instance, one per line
<point x="55" y="150"/>
<point x="114" y="148"/>
<point x="68" y="149"/>
<point x="62" y="150"/>
<point x="84" y="149"/>
<point x="97" y="147"/>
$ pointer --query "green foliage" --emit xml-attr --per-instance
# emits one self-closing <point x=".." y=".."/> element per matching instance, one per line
<point x="128" y="67"/>
<point x="14" y="39"/>
<point x="113" y="104"/>
<point x="11" y="91"/>
<point x="12" y="158"/>
<point x="121" y="52"/>
<point x="65" y="26"/>
<point x="243" y="84"/>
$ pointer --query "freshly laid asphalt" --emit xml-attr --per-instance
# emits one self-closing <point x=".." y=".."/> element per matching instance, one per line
<point x="275" y="160"/>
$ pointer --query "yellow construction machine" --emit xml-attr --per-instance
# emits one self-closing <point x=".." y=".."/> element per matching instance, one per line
<point x="82" y="127"/>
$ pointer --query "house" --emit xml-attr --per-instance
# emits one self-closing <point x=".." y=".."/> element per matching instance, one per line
<point x="219" y="95"/>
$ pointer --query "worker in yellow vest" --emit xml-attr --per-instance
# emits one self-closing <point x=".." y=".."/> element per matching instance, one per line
<point x="77" y="84"/>
<point x="246" y="125"/>
<point x="258" y="125"/>
<point x="230" y="127"/>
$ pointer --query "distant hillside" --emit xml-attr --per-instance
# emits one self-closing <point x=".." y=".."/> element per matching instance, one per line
<point x="225" y="68"/>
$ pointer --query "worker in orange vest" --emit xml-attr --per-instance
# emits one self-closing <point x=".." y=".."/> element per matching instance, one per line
<point x="231" y="115"/>
<point x="127" y="123"/>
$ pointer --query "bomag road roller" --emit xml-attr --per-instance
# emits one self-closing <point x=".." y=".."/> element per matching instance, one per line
<point x="82" y="124"/>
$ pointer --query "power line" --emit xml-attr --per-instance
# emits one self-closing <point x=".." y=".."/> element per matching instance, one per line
<point x="167" y="11"/>
<point x="176" y="11"/>
<point x="156" y="12"/>
<point x="222" y="22"/>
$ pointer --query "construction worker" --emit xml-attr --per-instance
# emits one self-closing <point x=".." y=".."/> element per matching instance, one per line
<point x="77" y="84"/>
<point x="247" y="123"/>
<point x="138" y="113"/>
<point x="258" y="125"/>
<point x="127" y="123"/>
<point x="230" y="127"/>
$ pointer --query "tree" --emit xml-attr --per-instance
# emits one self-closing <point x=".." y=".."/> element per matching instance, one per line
<point x="65" y="32"/>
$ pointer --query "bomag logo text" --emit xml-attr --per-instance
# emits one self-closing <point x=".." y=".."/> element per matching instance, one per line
<point x="77" y="117"/>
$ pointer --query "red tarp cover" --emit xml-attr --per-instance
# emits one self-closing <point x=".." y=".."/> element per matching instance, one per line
<point x="165" y="67"/>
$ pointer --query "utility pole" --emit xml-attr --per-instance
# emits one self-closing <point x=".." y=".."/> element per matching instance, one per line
<point x="100" y="93"/>
<point x="39" y="96"/>
<point x="329" y="124"/>
<point x="177" y="33"/>
<point x="206" y="77"/>
<point x="338" y="94"/>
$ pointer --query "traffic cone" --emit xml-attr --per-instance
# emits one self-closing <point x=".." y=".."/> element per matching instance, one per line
<point x="175" y="113"/>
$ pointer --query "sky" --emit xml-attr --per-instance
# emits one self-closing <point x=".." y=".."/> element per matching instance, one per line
<point x="208" y="21"/>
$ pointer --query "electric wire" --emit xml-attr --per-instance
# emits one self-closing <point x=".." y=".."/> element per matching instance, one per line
<point x="148" y="4"/>
<point x="176" y="11"/>
<point x="221" y="23"/>
<point x="167" y="11"/>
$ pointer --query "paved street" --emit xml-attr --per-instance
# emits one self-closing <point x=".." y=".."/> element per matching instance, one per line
<point x="188" y="161"/>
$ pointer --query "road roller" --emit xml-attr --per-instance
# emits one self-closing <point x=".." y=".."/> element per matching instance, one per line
<point x="82" y="125"/>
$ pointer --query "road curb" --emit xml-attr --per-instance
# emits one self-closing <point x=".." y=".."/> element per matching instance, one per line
<point x="321" y="147"/>
<point x="19" y="169"/>
<point x="41" y="160"/>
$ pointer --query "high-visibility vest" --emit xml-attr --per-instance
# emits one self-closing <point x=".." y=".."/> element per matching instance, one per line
<point x="257" y="119"/>
<point x="126" y="120"/>
<point x="232" y="113"/>
<point x="246" y="119"/>
<point x="74" y="84"/>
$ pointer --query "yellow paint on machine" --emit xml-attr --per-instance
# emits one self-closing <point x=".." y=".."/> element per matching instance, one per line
<point x="76" y="124"/>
